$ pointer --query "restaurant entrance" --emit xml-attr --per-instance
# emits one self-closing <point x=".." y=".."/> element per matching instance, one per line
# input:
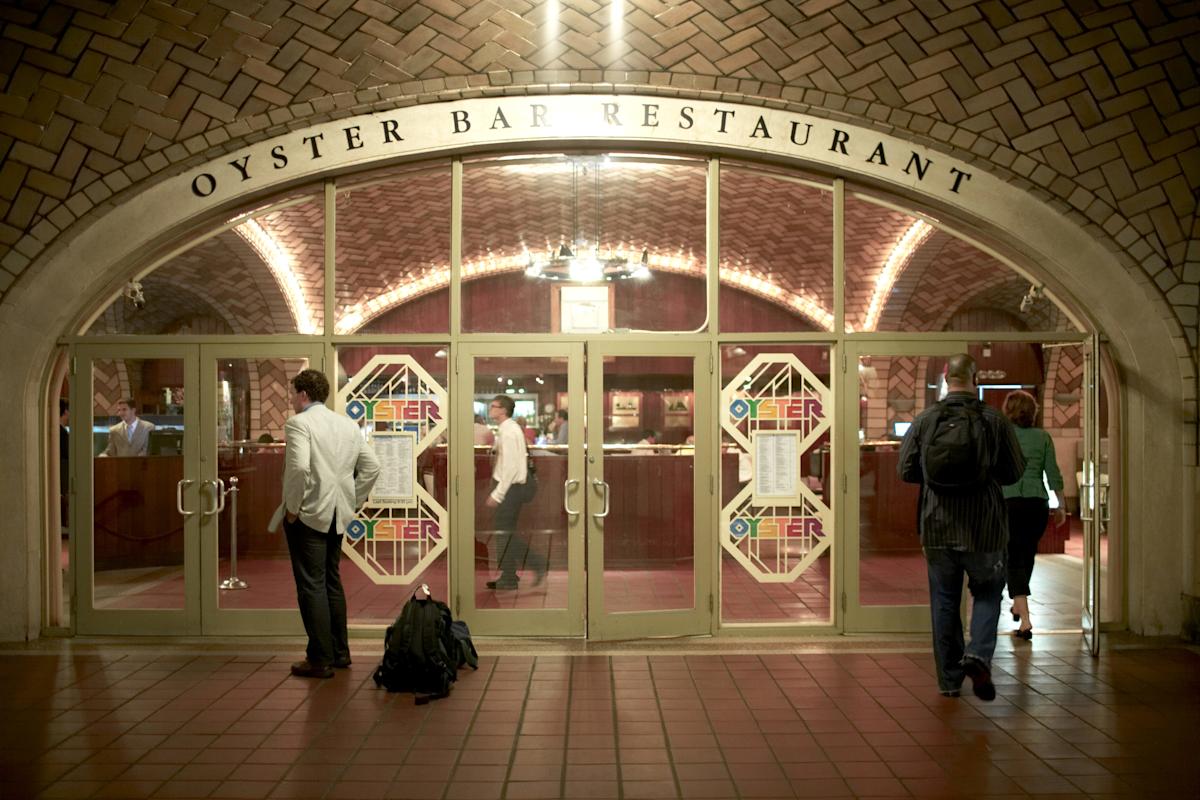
<point x="162" y="513"/>
<point x="616" y="541"/>
<point x="887" y="384"/>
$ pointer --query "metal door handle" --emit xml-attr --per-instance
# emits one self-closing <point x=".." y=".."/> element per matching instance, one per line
<point x="567" y="486"/>
<point x="1085" y="495"/>
<point x="603" y="485"/>
<point x="179" y="487"/>
<point x="218" y="504"/>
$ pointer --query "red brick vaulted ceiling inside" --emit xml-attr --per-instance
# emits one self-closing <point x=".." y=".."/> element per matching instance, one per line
<point x="395" y="228"/>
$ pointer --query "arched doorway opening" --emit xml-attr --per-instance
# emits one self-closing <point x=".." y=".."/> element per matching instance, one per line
<point x="779" y="281"/>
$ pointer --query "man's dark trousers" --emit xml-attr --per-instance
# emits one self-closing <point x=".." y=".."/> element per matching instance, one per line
<point x="315" y="560"/>
<point x="985" y="578"/>
<point x="511" y="545"/>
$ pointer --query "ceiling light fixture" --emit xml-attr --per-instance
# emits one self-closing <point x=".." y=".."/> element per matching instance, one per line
<point x="585" y="262"/>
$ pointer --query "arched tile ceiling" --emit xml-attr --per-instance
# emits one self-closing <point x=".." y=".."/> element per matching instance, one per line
<point x="170" y="308"/>
<point x="508" y="208"/>
<point x="390" y="234"/>
<point x="780" y="230"/>
<point x="872" y="233"/>
<point x="395" y="233"/>
<point x="946" y="274"/>
<point x="226" y="278"/>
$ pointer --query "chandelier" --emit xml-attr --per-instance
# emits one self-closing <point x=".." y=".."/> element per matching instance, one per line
<point x="581" y="261"/>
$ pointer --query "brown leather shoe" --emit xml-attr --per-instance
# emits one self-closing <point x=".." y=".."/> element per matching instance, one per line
<point x="303" y="669"/>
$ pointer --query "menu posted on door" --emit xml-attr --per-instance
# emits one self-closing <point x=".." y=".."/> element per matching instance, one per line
<point x="397" y="454"/>
<point x="776" y="467"/>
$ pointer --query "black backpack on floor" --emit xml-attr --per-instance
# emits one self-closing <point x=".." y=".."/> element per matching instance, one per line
<point x="423" y="651"/>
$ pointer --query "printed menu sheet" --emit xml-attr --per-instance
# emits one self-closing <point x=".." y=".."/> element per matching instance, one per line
<point x="776" y="467"/>
<point x="397" y="454"/>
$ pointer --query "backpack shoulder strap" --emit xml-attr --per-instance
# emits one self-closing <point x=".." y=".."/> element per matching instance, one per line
<point x="935" y="411"/>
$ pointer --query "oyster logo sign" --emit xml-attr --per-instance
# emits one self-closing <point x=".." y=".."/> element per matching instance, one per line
<point x="393" y="530"/>
<point x="776" y="408"/>
<point x="775" y="527"/>
<point x="411" y="410"/>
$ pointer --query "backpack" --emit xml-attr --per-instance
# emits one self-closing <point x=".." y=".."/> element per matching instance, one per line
<point x="420" y="653"/>
<point x="955" y="457"/>
<point x="464" y="647"/>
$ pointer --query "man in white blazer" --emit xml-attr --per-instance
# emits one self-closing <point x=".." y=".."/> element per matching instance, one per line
<point x="328" y="473"/>
<point x="130" y="436"/>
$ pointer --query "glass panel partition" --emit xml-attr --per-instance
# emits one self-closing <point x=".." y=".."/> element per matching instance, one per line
<point x="776" y="550"/>
<point x="584" y="244"/>
<point x="137" y="436"/>
<point x="393" y="252"/>
<point x="904" y="274"/>
<point x="263" y="275"/>
<point x="776" y="251"/>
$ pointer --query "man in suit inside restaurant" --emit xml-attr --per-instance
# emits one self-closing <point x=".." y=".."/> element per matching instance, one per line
<point x="329" y="471"/>
<point x="130" y="436"/>
<point x="560" y="428"/>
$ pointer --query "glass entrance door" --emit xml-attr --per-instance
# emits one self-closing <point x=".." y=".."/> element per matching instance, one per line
<point x="245" y="395"/>
<point x="519" y="566"/>
<point x="137" y="499"/>
<point x="184" y="454"/>
<point x="886" y="386"/>
<point x="1093" y="498"/>
<point x="617" y="489"/>
<point x="649" y="490"/>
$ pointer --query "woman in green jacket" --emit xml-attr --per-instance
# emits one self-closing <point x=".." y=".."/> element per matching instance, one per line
<point x="1028" y="503"/>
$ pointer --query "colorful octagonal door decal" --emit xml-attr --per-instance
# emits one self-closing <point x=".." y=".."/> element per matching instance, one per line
<point x="778" y="415"/>
<point x="402" y="528"/>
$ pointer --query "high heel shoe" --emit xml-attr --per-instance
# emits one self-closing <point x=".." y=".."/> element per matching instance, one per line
<point x="1027" y="634"/>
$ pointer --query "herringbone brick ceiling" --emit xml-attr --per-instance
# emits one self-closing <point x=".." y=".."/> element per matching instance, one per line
<point x="1093" y="105"/>
<point x="393" y="229"/>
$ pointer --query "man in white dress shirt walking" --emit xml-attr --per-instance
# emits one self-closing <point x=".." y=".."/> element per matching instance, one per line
<point x="328" y="473"/>
<point x="512" y="487"/>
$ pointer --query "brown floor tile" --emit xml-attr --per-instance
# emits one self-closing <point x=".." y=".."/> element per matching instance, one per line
<point x="475" y="790"/>
<point x="415" y="790"/>
<point x="186" y="789"/>
<point x="127" y="790"/>
<point x="532" y="790"/>
<point x="648" y="790"/>
<point x="600" y="790"/>
<point x="243" y="790"/>
<point x="70" y="790"/>
<point x="1067" y="726"/>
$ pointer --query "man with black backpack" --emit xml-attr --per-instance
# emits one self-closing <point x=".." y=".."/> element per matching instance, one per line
<point x="962" y="452"/>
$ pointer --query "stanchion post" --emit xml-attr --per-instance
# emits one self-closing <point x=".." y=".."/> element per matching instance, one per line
<point x="233" y="581"/>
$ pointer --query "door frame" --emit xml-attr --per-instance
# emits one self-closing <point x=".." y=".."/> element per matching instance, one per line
<point x="124" y="621"/>
<point x="1092" y="499"/>
<point x="702" y="617"/>
<point x="569" y="621"/>
<point x="856" y="617"/>
<point x="201" y="614"/>
<point x="213" y="619"/>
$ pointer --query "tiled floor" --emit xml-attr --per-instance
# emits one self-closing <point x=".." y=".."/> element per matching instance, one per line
<point x="127" y="718"/>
